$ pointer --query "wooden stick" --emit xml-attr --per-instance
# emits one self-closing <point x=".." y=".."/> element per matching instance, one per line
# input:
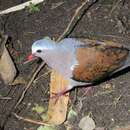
<point x="76" y="17"/>
<point x="115" y="5"/>
<point x="42" y="76"/>
<point x="29" y="84"/>
<point x="5" y="98"/>
<point x="20" y="7"/>
<point x="30" y="120"/>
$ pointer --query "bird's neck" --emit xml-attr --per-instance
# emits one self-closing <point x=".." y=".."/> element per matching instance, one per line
<point x="52" y="56"/>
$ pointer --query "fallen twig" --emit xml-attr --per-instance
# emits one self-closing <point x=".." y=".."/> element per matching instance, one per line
<point x="30" y="120"/>
<point x="76" y="17"/>
<point x="115" y="5"/>
<point x="29" y="84"/>
<point x="116" y="100"/>
<point x="42" y="76"/>
<point x="20" y="7"/>
<point x="5" y="98"/>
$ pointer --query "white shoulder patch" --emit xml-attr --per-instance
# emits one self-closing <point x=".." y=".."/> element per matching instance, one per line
<point x="74" y="66"/>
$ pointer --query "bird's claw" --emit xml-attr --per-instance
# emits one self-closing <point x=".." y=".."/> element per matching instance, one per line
<point x="58" y="95"/>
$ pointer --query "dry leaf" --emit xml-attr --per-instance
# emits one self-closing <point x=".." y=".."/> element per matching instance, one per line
<point x="7" y="67"/>
<point x="57" y="110"/>
<point x="87" y="123"/>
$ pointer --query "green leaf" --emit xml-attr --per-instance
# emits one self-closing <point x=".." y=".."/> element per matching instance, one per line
<point x="128" y="110"/>
<point x="71" y="114"/>
<point x="47" y="128"/>
<point x="39" y="109"/>
<point x="33" y="8"/>
<point x="44" y="116"/>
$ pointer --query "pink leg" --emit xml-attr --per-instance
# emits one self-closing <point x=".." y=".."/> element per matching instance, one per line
<point x="59" y="94"/>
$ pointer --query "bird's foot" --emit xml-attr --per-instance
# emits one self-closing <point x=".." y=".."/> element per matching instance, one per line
<point x="59" y="94"/>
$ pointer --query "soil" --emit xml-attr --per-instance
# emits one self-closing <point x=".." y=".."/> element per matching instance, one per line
<point x="109" y="104"/>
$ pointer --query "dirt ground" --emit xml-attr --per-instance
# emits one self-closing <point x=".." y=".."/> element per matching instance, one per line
<point x="109" y="103"/>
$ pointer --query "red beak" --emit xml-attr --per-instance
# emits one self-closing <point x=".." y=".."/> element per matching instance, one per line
<point x="30" y="57"/>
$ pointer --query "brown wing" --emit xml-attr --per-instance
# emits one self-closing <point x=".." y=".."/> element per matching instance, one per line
<point x="97" y="60"/>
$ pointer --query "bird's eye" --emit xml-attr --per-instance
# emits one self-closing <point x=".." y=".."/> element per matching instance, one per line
<point x="39" y="51"/>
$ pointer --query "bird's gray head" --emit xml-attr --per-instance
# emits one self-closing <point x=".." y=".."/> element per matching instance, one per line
<point x="40" y="47"/>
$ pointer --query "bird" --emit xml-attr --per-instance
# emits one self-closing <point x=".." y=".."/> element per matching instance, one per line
<point x="82" y="61"/>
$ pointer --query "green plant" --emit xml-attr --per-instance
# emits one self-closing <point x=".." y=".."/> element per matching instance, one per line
<point x="33" y="8"/>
